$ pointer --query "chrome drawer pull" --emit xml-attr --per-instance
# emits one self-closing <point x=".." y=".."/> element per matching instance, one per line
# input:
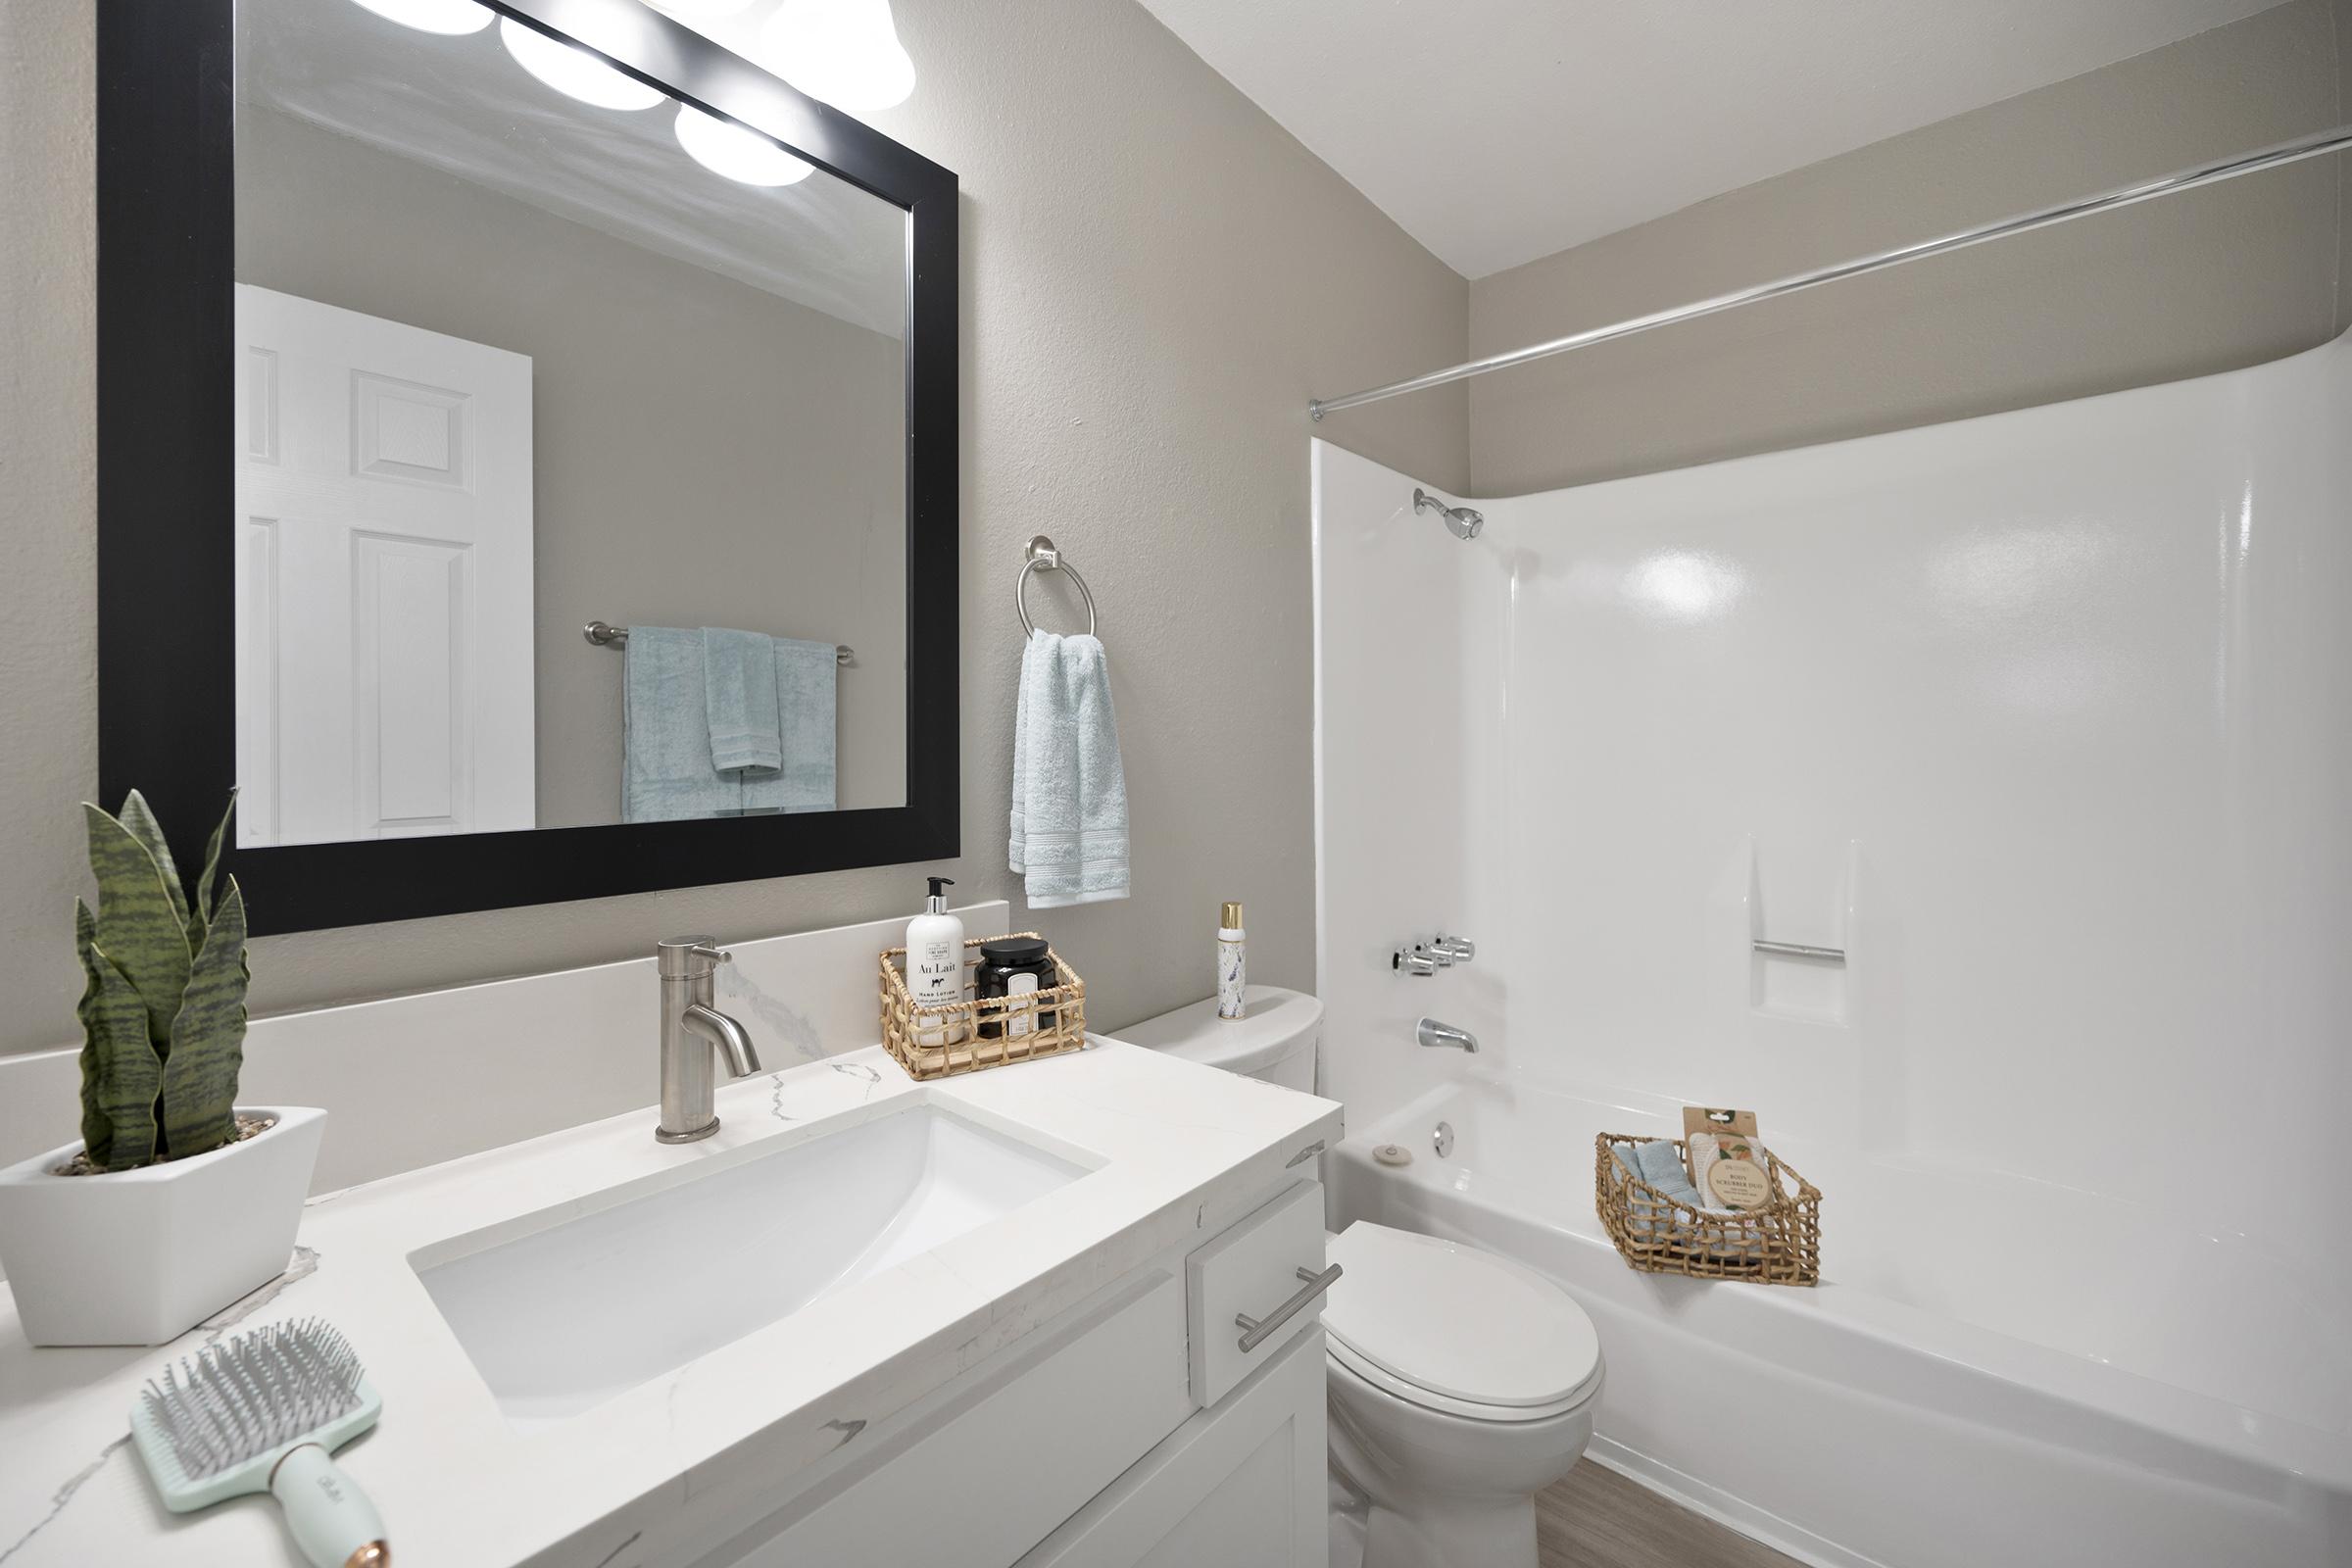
<point x="1255" y="1330"/>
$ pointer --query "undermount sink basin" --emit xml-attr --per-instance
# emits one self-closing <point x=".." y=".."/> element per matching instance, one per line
<point x="566" y="1315"/>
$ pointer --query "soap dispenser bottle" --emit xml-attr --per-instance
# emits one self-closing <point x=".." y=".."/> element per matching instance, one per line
<point x="935" y="963"/>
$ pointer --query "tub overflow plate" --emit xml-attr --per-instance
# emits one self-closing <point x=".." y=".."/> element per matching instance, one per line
<point x="1442" y="1139"/>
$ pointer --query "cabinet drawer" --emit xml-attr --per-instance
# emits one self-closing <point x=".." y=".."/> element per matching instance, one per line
<point x="987" y="1471"/>
<point x="1256" y="1268"/>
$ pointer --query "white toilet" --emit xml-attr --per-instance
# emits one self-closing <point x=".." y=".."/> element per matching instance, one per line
<point x="1462" y="1383"/>
<point x="1275" y="1040"/>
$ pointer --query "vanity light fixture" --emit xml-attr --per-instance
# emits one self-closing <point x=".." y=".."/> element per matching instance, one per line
<point x="846" y="52"/>
<point x="451" y="16"/>
<point x="741" y="155"/>
<point x="575" y="72"/>
<point x="701" y="10"/>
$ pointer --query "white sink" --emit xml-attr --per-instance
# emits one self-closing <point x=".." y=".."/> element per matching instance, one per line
<point x="567" y="1314"/>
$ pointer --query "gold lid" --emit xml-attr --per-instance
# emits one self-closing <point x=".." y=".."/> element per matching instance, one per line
<point x="1231" y="917"/>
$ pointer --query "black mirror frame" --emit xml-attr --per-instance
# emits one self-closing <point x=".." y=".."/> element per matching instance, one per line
<point x="166" y="581"/>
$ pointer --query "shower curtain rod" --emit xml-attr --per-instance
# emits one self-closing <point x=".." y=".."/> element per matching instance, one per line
<point x="2285" y="152"/>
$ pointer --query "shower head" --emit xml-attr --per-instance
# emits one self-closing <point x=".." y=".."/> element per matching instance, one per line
<point x="1464" y="522"/>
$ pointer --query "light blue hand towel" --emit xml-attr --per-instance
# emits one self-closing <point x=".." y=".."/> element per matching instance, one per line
<point x="1069" y="789"/>
<point x="806" y="700"/>
<point x="665" y="747"/>
<point x="739" y="694"/>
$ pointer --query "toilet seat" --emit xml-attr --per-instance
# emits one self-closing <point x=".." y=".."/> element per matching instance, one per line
<point x="1396" y="1388"/>
<point x="1457" y="1330"/>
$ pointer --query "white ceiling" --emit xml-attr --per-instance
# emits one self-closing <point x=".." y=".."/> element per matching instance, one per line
<point x="1495" y="132"/>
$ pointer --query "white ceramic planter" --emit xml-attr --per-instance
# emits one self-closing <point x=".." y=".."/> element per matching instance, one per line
<point x="140" y="1257"/>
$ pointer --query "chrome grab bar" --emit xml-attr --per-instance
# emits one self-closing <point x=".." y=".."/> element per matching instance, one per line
<point x="1801" y="949"/>
<point x="1256" y="1329"/>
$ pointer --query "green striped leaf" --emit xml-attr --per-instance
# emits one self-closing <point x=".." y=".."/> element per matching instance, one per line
<point x="97" y="1133"/>
<point x="207" y="1038"/>
<point x="131" y="1076"/>
<point x="140" y="927"/>
<point x="200" y="910"/>
<point x="138" y="818"/>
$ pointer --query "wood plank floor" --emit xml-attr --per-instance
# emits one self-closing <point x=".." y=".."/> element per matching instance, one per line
<point x="1595" y="1518"/>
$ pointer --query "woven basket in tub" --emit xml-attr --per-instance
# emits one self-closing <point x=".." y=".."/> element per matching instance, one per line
<point x="1779" y="1243"/>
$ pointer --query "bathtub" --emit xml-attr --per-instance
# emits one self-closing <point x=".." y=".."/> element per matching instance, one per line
<point x="1999" y="1371"/>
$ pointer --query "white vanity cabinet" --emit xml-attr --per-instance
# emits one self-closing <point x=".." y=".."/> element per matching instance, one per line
<point x="1241" y="1485"/>
<point x="1129" y="1430"/>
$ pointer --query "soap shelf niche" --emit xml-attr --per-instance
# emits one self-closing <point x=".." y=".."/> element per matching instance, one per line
<point x="1795" y="972"/>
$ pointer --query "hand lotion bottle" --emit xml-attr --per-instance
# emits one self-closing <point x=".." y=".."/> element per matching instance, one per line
<point x="935" y="963"/>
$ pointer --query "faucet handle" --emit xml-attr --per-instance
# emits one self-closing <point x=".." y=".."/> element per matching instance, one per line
<point x="688" y="957"/>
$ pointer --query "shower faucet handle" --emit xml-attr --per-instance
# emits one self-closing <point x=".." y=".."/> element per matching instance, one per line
<point x="1453" y="950"/>
<point x="1415" y="959"/>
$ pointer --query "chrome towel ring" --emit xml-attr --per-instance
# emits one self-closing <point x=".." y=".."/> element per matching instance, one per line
<point x="1045" y="556"/>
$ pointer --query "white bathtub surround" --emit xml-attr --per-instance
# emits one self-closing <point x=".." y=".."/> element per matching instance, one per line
<point x="135" y="1257"/>
<point x="537" y="1053"/>
<point x="2040" y="722"/>
<point x="646" y="1472"/>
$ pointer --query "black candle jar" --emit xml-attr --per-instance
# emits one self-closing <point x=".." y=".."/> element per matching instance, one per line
<point x="1011" y="966"/>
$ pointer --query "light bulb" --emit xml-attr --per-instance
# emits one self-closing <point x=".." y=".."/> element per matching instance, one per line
<point x="451" y="16"/>
<point x="846" y="52"/>
<point x="732" y="151"/>
<point x="700" y="9"/>
<point x="573" y="71"/>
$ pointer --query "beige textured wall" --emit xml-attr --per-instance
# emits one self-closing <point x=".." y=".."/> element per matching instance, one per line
<point x="2343" y="164"/>
<point x="649" y="504"/>
<point x="2203" y="282"/>
<point x="1156" y="278"/>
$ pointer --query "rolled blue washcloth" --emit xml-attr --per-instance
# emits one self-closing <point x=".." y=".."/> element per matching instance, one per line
<point x="1658" y="1164"/>
<point x="1661" y="1165"/>
<point x="1648" y="1217"/>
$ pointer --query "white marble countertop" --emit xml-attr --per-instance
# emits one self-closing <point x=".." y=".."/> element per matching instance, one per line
<point x="459" y="1486"/>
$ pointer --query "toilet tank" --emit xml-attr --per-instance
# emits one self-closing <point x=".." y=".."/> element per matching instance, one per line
<point x="1275" y="1040"/>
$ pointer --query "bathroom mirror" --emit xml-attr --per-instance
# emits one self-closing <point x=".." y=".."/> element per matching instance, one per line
<point x="526" y="433"/>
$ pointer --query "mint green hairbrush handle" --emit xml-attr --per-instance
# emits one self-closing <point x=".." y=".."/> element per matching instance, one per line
<point x="330" y="1517"/>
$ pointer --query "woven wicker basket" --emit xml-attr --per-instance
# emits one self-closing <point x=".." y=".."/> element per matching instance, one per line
<point x="980" y="1031"/>
<point x="1779" y="1243"/>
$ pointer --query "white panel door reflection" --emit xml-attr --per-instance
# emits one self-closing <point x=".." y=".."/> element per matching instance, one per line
<point x="384" y="666"/>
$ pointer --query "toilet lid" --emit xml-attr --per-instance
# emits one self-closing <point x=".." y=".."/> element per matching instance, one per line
<point x="1458" y="1322"/>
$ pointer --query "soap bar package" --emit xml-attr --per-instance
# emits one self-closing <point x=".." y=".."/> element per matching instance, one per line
<point x="1725" y="1159"/>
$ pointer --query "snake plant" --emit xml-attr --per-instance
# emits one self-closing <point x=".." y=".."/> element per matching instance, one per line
<point x="163" y="1002"/>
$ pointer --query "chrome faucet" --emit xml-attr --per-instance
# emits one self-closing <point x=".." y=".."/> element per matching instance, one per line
<point x="1444" y="1035"/>
<point x="693" y="1032"/>
<point x="1440" y="952"/>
